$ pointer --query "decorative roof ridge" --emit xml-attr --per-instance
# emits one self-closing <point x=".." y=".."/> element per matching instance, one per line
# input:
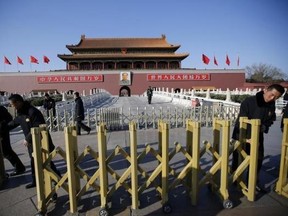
<point x="163" y="36"/>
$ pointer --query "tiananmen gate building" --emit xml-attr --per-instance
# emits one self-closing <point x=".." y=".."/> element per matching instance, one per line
<point x="122" y="66"/>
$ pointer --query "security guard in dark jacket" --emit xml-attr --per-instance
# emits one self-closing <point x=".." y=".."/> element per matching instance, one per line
<point x="79" y="114"/>
<point x="261" y="106"/>
<point x="8" y="152"/>
<point x="28" y="117"/>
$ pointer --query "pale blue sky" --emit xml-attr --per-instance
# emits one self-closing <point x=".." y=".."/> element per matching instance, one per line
<point x="256" y="30"/>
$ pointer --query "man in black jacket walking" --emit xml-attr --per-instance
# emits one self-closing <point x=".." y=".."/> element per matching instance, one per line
<point x="8" y="153"/>
<point x="261" y="106"/>
<point x="79" y="114"/>
<point x="28" y="117"/>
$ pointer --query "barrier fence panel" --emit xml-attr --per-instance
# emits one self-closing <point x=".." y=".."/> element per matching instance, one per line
<point x="220" y="160"/>
<point x="247" y="160"/>
<point x="163" y="176"/>
<point x="282" y="183"/>
<point x="44" y="175"/>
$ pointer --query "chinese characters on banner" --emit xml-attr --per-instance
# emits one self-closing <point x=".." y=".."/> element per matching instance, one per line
<point x="69" y="78"/>
<point x="177" y="77"/>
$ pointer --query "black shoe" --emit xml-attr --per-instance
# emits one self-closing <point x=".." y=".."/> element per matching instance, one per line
<point x="88" y="131"/>
<point x="260" y="189"/>
<point x="17" y="172"/>
<point x="31" y="185"/>
<point x="54" y="197"/>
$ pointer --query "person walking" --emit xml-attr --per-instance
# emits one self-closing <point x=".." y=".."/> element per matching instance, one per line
<point x="28" y="117"/>
<point x="79" y="114"/>
<point x="260" y="106"/>
<point x="50" y="105"/>
<point x="8" y="153"/>
<point x="149" y="94"/>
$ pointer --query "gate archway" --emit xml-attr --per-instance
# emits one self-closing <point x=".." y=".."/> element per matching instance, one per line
<point x="124" y="91"/>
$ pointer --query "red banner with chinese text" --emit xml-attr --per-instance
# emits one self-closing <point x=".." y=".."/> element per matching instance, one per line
<point x="69" y="78"/>
<point x="177" y="77"/>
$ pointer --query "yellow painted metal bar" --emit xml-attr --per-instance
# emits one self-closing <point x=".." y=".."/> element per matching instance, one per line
<point x="134" y="165"/>
<point x="39" y="175"/>
<point x="70" y="141"/>
<point x="215" y="151"/>
<point x="254" y="148"/>
<point x="194" y="130"/>
<point x="225" y="159"/>
<point x="282" y="183"/>
<point x="102" y="148"/>
<point x="45" y="156"/>
<point x="189" y="147"/>
<point x="165" y="162"/>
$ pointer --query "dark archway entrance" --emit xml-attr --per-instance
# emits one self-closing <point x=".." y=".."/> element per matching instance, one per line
<point x="124" y="91"/>
<point x="177" y="90"/>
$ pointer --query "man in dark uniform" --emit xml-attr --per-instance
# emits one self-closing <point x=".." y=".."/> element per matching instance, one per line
<point x="28" y="117"/>
<point x="261" y="106"/>
<point x="8" y="152"/>
<point x="49" y="105"/>
<point x="79" y="114"/>
<point x="149" y="94"/>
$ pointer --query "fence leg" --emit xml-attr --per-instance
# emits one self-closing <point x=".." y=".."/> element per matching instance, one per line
<point x="45" y="156"/>
<point x="254" y="146"/>
<point x="134" y="164"/>
<point x="225" y="160"/>
<point x="102" y="148"/>
<point x="73" y="179"/>
<point x="282" y="183"/>
<point x="39" y="175"/>
<point x="193" y="147"/>
<point x="165" y="162"/>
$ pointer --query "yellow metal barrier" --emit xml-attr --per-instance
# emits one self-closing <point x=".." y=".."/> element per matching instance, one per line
<point x="246" y="160"/>
<point x="282" y="183"/>
<point x="217" y="176"/>
<point x="220" y="161"/>
<point x="43" y="172"/>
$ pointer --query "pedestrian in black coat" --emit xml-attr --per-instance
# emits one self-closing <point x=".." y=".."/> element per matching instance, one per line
<point x="28" y="117"/>
<point x="261" y="106"/>
<point x="79" y="114"/>
<point x="8" y="152"/>
<point x="49" y="105"/>
<point x="149" y="93"/>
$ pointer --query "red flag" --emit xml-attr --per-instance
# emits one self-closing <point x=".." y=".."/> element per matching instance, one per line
<point x="33" y="60"/>
<point x="238" y="61"/>
<point x="227" y="60"/>
<point x="215" y="61"/>
<point x="205" y="59"/>
<point x="6" y="61"/>
<point x="19" y="60"/>
<point x="46" y="59"/>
